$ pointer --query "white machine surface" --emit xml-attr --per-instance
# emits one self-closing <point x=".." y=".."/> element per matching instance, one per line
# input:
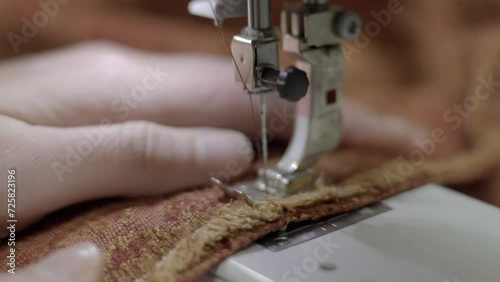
<point x="431" y="234"/>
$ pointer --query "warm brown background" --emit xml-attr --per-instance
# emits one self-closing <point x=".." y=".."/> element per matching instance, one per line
<point x="421" y="64"/>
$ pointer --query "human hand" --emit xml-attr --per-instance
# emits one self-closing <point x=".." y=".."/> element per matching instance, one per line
<point x="78" y="263"/>
<point x="175" y="122"/>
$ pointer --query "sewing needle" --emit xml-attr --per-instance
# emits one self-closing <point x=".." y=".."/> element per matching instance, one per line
<point x="263" y="116"/>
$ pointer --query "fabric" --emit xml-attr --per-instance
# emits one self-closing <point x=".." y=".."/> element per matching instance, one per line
<point x="237" y="227"/>
<point x="180" y="237"/>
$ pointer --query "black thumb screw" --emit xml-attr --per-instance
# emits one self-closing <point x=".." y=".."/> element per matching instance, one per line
<point x="291" y="83"/>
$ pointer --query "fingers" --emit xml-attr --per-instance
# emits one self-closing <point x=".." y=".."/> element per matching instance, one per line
<point x="96" y="82"/>
<point x="79" y="263"/>
<point x="120" y="85"/>
<point x="70" y="165"/>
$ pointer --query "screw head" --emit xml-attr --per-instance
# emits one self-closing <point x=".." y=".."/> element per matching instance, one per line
<point x="292" y="84"/>
<point x="348" y="24"/>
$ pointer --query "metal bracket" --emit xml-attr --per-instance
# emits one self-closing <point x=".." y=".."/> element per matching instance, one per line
<point x="312" y="34"/>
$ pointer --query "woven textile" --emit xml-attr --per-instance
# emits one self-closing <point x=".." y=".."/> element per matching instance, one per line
<point x="135" y="234"/>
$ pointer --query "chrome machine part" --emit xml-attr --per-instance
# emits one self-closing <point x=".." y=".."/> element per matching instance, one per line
<point x="259" y="14"/>
<point x="256" y="56"/>
<point x="312" y="34"/>
<point x="312" y="38"/>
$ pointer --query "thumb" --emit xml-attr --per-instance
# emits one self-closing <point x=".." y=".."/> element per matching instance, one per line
<point x="79" y="263"/>
<point x="143" y="158"/>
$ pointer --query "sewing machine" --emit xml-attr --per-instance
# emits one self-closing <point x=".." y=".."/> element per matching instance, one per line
<point x="423" y="235"/>
<point x="311" y="34"/>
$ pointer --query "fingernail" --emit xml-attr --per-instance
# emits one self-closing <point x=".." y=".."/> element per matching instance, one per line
<point x="225" y="150"/>
<point x="79" y="263"/>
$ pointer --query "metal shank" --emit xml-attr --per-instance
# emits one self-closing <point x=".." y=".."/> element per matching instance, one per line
<point x="309" y="36"/>
<point x="259" y="14"/>
<point x="256" y="48"/>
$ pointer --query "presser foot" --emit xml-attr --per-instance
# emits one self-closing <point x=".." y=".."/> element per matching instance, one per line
<point x="274" y="185"/>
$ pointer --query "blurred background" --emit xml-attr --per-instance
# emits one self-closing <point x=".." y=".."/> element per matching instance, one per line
<point x="419" y="62"/>
<point x="430" y="46"/>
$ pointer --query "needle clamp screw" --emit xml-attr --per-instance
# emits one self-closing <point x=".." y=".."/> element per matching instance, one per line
<point x="291" y="83"/>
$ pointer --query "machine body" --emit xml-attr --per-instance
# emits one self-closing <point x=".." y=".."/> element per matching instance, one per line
<point x="430" y="234"/>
